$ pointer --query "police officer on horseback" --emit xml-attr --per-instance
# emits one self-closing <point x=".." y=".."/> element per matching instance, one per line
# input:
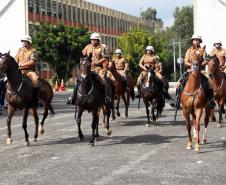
<point x="150" y="60"/>
<point x="121" y="65"/>
<point x="26" y="58"/>
<point x="196" y="41"/>
<point x="98" y="65"/>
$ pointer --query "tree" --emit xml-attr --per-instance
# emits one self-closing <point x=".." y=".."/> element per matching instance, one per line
<point x="60" y="46"/>
<point x="149" y="14"/>
<point x="133" y="45"/>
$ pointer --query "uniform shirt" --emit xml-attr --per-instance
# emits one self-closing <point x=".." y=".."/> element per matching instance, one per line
<point x="120" y="63"/>
<point x="187" y="58"/>
<point x="26" y="54"/>
<point x="148" y="60"/>
<point x="98" y="52"/>
<point x="220" y="53"/>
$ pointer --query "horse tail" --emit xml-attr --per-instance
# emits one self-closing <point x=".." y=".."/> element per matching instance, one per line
<point x="132" y="94"/>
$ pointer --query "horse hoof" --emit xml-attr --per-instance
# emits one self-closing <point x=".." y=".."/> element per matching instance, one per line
<point x="189" y="146"/>
<point x="91" y="144"/>
<point x="81" y="138"/>
<point x="41" y="130"/>
<point x="109" y="132"/>
<point x="35" y="139"/>
<point x="148" y="125"/>
<point x="118" y="114"/>
<point x="9" y="141"/>
<point x="213" y="119"/>
<point x="113" y="117"/>
<point x="219" y="125"/>
<point x="204" y="141"/>
<point x="197" y="148"/>
<point x="27" y="143"/>
<point x="103" y="125"/>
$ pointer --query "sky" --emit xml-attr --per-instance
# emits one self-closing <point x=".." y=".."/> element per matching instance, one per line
<point x="165" y="8"/>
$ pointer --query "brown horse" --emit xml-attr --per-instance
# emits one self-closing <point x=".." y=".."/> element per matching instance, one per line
<point x="193" y="99"/>
<point x="121" y="90"/>
<point x="20" y="95"/>
<point x="217" y="79"/>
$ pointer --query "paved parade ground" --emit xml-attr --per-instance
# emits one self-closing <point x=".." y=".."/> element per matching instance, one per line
<point x="134" y="154"/>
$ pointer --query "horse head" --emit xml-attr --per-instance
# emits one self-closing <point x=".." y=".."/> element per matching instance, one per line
<point x="213" y="65"/>
<point x="196" y="60"/>
<point x="85" y="66"/>
<point x="7" y="63"/>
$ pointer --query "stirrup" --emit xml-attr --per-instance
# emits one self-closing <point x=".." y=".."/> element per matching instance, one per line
<point x="211" y="104"/>
<point x="107" y="100"/>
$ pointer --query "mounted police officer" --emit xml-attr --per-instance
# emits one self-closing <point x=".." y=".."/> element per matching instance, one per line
<point x="121" y="65"/>
<point x="196" y="41"/>
<point x="220" y="53"/>
<point x="26" y="58"/>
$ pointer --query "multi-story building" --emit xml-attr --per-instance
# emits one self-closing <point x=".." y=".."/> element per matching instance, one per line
<point x="18" y="17"/>
<point x="110" y="23"/>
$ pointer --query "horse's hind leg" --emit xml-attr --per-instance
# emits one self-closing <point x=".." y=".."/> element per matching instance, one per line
<point x="108" y="114"/>
<point x="197" y="128"/>
<point x="35" y="115"/>
<point x="94" y="126"/>
<point x="206" y="122"/>
<point x="24" y="126"/>
<point x="11" y="111"/>
<point x="45" y="114"/>
<point x="126" y="105"/>
<point x="220" y="115"/>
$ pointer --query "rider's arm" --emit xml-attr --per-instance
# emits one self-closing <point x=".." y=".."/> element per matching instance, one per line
<point x="141" y="63"/>
<point x="31" y="62"/>
<point x="126" y="66"/>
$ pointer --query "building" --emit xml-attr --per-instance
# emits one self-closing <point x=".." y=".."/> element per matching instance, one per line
<point x="209" y="22"/>
<point x="23" y="15"/>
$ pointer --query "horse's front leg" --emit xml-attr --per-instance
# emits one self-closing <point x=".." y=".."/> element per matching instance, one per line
<point x="94" y="126"/>
<point x="78" y="120"/>
<point x="36" y="119"/>
<point x="188" y="126"/>
<point x="24" y="126"/>
<point x="126" y="105"/>
<point x="117" y="105"/>
<point x="197" y="128"/>
<point x="108" y="114"/>
<point x="220" y="115"/>
<point x="11" y="111"/>
<point x="147" y="111"/>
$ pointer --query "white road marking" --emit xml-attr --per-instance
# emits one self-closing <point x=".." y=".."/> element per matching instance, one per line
<point x="54" y="158"/>
<point x="199" y="162"/>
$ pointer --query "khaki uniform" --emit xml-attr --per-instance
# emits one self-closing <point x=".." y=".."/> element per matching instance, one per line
<point x="98" y="53"/>
<point x="23" y="56"/>
<point x="148" y="61"/>
<point x="220" y="53"/>
<point x="187" y="58"/>
<point x="120" y="65"/>
<point x="158" y="71"/>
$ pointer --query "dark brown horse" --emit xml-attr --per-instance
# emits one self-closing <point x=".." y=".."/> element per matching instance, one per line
<point x="20" y="95"/>
<point x="193" y="99"/>
<point x="152" y="94"/>
<point x="89" y="97"/>
<point x="217" y="79"/>
<point x="122" y="91"/>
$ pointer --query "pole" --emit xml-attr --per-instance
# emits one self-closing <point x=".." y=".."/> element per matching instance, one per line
<point x="180" y="56"/>
<point x="174" y="62"/>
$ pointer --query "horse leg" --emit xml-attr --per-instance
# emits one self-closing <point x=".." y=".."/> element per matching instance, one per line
<point x="128" y="99"/>
<point x="153" y="112"/>
<point x="197" y="129"/>
<point x="94" y="127"/>
<point x="126" y="105"/>
<point x="188" y="126"/>
<point x="108" y="111"/>
<point x="147" y="112"/>
<point x="35" y="115"/>
<point x="45" y="114"/>
<point x="11" y="111"/>
<point x="220" y="115"/>
<point x="206" y="122"/>
<point x="78" y="120"/>
<point x="24" y="126"/>
<point x="117" y="105"/>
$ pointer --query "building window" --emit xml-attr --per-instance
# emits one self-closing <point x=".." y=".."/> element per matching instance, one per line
<point x="54" y="9"/>
<point x="60" y="10"/>
<point x="69" y="13"/>
<point x="65" y="12"/>
<point x="42" y="5"/>
<point x="49" y="13"/>
<point x="30" y="6"/>
<point x="79" y="15"/>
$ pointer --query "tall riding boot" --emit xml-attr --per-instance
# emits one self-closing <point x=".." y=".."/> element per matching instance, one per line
<point x="138" y="90"/>
<point x="72" y="98"/>
<point x="176" y="101"/>
<point x="211" y="102"/>
<point x="166" y="94"/>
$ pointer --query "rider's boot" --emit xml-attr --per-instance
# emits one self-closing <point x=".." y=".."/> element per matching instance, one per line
<point x="175" y="103"/>
<point x="166" y="94"/>
<point x="72" y="98"/>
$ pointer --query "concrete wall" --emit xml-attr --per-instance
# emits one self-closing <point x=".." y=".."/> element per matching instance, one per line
<point x="12" y="24"/>
<point x="209" y="21"/>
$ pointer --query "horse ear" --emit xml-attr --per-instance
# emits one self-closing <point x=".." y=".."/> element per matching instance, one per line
<point x="8" y="52"/>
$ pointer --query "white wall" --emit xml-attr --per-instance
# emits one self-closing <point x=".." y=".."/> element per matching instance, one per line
<point x="210" y="21"/>
<point x="12" y="26"/>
